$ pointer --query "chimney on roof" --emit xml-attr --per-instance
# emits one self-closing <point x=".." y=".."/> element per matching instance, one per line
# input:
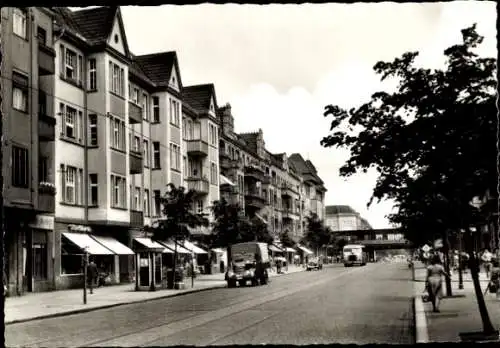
<point x="226" y="119"/>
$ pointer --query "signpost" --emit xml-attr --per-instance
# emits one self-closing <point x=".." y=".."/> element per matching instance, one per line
<point x="85" y="263"/>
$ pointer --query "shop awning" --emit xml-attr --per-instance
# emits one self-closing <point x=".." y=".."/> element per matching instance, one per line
<point x="113" y="245"/>
<point x="225" y="181"/>
<point x="304" y="249"/>
<point x="275" y="248"/>
<point x="261" y="218"/>
<point x="148" y="243"/>
<point x="218" y="250"/>
<point x="194" y="248"/>
<point x="84" y="242"/>
<point x="290" y="250"/>
<point x="180" y="249"/>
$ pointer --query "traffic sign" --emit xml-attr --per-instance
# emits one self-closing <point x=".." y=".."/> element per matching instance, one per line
<point x="426" y="248"/>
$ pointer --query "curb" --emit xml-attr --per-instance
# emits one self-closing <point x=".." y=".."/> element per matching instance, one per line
<point x="85" y="310"/>
<point x="421" y="332"/>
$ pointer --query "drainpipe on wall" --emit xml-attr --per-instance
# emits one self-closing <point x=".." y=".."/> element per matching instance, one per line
<point x="85" y="143"/>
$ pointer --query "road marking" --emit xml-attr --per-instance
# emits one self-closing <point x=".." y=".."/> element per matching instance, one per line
<point x="162" y="331"/>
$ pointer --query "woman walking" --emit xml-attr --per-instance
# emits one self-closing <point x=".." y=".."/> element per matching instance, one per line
<point x="434" y="281"/>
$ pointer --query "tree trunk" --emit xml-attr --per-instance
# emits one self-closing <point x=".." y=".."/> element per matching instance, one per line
<point x="447" y="264"/>
<point x="483" y="310"/>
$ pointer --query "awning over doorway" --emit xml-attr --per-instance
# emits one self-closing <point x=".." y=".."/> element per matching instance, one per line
<point x="290" y="250"/>
<point x="304" y="249"/>
<point x="180" y="249"/>
<point x="194" y="248"/>
<point x="113" y="245"/>
<point x="86" y="243"/>
<point x="150" y="244"/>
<point x="225" y="181"/>
<point x="218" y="250"/>
<point x="275" y="248"/>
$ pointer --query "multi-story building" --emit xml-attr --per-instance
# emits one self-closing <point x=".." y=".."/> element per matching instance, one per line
<point x="27" y="85"/>
<point x="344" y="218"/>
<point x="270" y="188"/>
<point x="313" y="189"/>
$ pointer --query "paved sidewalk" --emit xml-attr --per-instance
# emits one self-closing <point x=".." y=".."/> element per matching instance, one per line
<point x="65" y="302"/>
<point x="459" y="313"/>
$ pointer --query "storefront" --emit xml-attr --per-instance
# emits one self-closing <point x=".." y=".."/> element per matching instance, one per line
<point x="200" y="256"/>
<point x="290" y="252"/>
<point x="305" y="254"/>
<point x="38" y="255"/>
<point x="148" y="254"/>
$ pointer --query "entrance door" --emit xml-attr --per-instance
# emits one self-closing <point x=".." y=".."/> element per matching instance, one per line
<point x="27" y="262"/>
<point x="144" y="269"/>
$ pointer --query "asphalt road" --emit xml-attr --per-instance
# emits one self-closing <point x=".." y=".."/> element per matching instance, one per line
<point x="370" y="304"/>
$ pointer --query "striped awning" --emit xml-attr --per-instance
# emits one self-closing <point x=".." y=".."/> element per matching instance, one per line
<point x="87" y="244"/>
<point x="194" y="248"/>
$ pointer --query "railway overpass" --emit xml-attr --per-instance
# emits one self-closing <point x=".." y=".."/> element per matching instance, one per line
<point x="378" y="242"/>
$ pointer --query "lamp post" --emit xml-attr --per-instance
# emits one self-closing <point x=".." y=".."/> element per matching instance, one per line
<point x="85" y="264"/>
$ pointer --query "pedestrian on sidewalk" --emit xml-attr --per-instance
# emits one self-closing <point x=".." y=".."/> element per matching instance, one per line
<point x="486" y="259"/>
<point x="434" y="282"/>
<point x="494" y="284"/>
<point x="92" y="274"/>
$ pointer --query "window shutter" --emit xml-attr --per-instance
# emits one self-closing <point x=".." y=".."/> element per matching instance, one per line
<point x="63" y="73"/>
<point x="63" y="183"/>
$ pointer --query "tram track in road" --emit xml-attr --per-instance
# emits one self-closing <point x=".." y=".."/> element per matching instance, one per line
<point x="162" y="331"/>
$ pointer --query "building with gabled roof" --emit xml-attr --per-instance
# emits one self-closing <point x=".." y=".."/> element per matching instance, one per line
<point x="344" y="218"/>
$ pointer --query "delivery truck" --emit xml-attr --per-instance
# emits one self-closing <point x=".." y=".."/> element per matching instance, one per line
<point x="250" y="262"/>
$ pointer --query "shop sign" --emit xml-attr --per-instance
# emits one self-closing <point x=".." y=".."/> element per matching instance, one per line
<point x="43" y="222"/>
<point x="79" y="228"/>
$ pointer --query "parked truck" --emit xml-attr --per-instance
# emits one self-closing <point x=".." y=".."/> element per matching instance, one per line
<point x="250" y="262"/>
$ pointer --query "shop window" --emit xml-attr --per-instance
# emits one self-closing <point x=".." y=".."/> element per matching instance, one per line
<point x="71" y="258"/>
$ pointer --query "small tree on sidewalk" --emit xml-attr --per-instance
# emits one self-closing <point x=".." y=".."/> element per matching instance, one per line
<point x="177" y="217"/>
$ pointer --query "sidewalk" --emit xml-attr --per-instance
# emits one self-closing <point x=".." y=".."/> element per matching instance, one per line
<point x="65" y="302"/>
<point x="458" y="313"/>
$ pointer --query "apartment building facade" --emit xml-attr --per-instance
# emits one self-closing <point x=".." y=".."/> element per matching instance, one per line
<point x="268" y="186"/>
<point x="28" y="133"/>
<point x="344" y="218"/>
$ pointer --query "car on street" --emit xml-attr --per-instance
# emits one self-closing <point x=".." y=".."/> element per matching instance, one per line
<point x="314" y="264"/>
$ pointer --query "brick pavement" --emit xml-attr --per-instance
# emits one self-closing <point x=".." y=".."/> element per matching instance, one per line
<point x="458" y="313"/>
<point x="65" y="302"/>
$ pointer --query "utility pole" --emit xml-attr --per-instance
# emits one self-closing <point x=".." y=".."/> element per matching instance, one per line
<point x="85" y="264"/>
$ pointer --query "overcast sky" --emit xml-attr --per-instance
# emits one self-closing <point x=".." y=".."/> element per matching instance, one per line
<point x="279" y="65"/>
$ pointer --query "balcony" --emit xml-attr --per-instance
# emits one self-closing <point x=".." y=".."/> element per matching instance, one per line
<point x="254" y="200"/>
<point x="46" y="60"/>
<point x="197" y="148"/>
<point x="46" y="197"/>
<point x="136" y="218"/>
<point x="46" y="128"/>
<point x="254" y="172"/>
<point x="135" y="162"/>
<point x="266" y="180"/>
<point x="134" y="113"/>
<point x="200" y="185"/>
<point x="288" y="191"/>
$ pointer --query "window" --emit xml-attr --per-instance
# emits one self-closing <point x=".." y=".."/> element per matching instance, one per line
<point x="20" y="167"/>
<point x="213" y="134"/>
<point x="146" y="153"/>
<point x="145" y="107"/>
<point x="70" y="122"/>
<point x="92" y="74"/>
<point x="156" y="155"/>
<point x="93" y="199"/>
<point x="174" y="112"/>
<point x="93" y="129"/>
<point x="20" y="23"/>
<point x="70" y="64"/>
<point x="70" y="185"/>
<point x="175" y="157"/>
<point x="157" y="202"/>
<point x="116" y="79"/>
<point x="184" y="128"/>
<point x="135" y="95"/>
<point x="199" y="206"/>
<point x="39" y="254"/>
<point x="118" y="192"/>
<point x="156" y="109"/>
<point x="146" y="202"/>
<point x="213" y="173"/>
<point x="137" y="144"/>
<point x="137" y="199"/>
<point x="117" y="134"/>
<point x="20" y="99"/>
<point x="43" y="169"/>
<point x="41" y="35"/>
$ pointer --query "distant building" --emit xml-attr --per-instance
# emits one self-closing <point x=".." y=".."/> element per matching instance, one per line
<point x="344" y="218"/>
